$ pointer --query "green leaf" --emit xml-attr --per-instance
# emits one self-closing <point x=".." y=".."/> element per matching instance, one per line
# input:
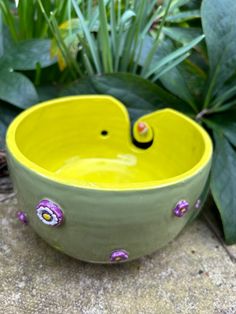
<point x="225" y="123"/>
<point x="6" y="40"/>
<point x="47" y="92"/>
<point x="219" y="26"/>
<point x="104" y="35"/>
<point x="7" y="114"/>
<point x="126" y="18"/>
<point x="175" y="80"/>
<point x="223" y="185"/>
<point x="89" y="36"/>
<point x="139" y="95"/>
<point x="224" y="96"/>
<point x="176" y="4"/>
<point x="225" y="107"/>
<point x="94" y="18"/>
<point x="16" y="89"/>
<point x="183" y="16"/>
<point x="181" y="34"/>
<point x="193" y="4"/>
<point x="156" y="42"/>
<point x="80" y="87"/>
<point x="173" y="56"/>
<point x="1" y="36"/>
<point x="170" y="66"/>
<point x="25" y="55"/>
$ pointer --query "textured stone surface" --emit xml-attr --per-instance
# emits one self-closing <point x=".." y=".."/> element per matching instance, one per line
<point x="191" y="275"/>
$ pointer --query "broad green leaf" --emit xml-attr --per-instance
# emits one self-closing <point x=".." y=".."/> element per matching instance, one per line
<point x="182" y="34"/>
<point x="16" y="89"/>
<point x="80" y="87"/>
<point x="183" y="16"/>
<point x="223" y="185"/>
<point x="219" y="26"/>
<point x="6" y="40"/>
<point x="175" y="80"/>
<point x="139" y="95"/>
<point x="47" y="92"/>
<point x="193" y="4"/>
<point x="1" y="36"/>
<point x="224" y="122"/>
<point x="25" y="55"/>
<point x="136" y="92"/>
<point x="7" y="113"/>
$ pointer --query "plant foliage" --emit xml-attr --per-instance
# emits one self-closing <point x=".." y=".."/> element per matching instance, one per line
<point x="111" y="37"/>
<point x="26" y="21"/>
<point x="207" y="83"/>
<point x="15" y="88"/>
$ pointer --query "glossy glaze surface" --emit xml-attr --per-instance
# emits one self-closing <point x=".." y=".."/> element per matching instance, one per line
<point x="86" y="142"/>
<point x="114" y="197"/>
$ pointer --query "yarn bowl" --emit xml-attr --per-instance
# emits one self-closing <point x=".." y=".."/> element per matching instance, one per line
<point x="99" y="190"/>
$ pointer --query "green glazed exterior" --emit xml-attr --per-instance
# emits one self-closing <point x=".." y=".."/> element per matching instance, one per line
<point x="97" y="222"/>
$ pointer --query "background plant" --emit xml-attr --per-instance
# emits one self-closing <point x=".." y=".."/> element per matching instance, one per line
<point x="112" y="37"/>
<point x="87" y="45"/>
<point x="208" y="83"/>
<point x="17" y="91"/>
<point x="26" y="21"/>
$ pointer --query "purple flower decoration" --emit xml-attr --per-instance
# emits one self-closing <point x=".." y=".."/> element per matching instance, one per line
<point x="119" y="255"/>
<point x="49" y="213"/>
<point x="22" y="217"/>
<point x="198" y="204"/>
<point x="181" y="208"/>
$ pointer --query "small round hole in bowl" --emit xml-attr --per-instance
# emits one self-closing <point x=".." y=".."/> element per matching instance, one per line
<point x="104" y="133"/>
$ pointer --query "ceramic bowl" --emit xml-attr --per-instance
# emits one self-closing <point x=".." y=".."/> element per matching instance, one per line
<point x="85" y="186"/>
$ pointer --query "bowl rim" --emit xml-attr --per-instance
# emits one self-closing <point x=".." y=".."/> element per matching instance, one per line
<point x="14" y="151"/>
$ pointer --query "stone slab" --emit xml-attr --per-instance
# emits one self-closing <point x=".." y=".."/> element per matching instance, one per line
<point x="193" y="274"/>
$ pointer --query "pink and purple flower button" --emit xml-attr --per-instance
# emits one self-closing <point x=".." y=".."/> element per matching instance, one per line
<point x="198" y="204"/>
<point x="22" y="217"/>
<point x="181" y="208"/>
<point x="49" y="213"/>
<point x="119" y="256"/>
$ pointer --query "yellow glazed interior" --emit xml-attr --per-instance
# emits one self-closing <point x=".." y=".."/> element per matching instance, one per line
<point x="86" y="141"/>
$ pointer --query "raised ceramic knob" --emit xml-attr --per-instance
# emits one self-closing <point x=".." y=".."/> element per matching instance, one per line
<point x="142" y="128"/>
<point x="142" y="132"/>
<point x="49" y="213"/>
